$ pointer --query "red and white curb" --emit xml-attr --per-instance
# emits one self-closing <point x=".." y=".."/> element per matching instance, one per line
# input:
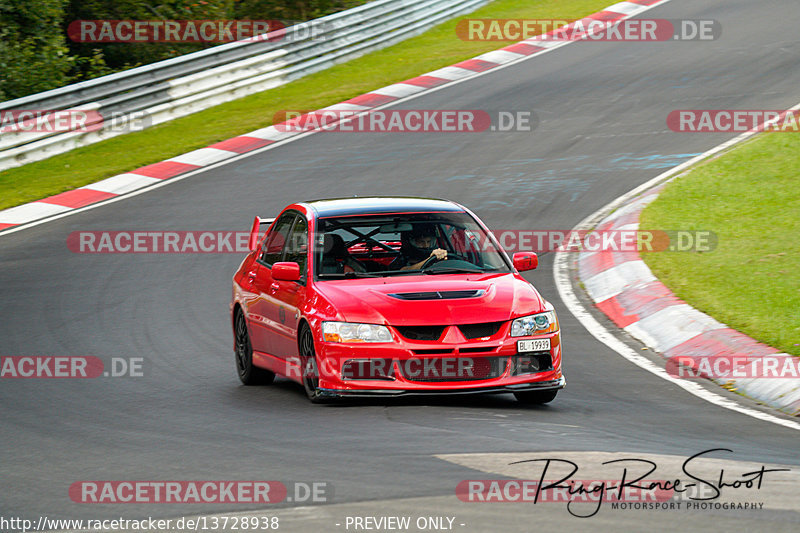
<point x="149" y="175"/>
<point x="627" y="292"/>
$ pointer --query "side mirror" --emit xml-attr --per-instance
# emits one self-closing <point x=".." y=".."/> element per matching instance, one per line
<point x="525" y="261"/>
<point x="286" y="271"/>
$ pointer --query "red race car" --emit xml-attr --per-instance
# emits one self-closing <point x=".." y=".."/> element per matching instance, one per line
<point x="391" y="296"/>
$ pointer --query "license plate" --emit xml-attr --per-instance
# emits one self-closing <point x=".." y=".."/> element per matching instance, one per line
<point x="535" y="345"/>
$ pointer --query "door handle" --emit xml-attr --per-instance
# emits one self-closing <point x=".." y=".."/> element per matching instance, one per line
<point x="274" y="287"/>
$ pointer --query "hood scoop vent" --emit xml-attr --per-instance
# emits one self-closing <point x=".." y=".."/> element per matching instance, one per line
<point x="438" y="295"/>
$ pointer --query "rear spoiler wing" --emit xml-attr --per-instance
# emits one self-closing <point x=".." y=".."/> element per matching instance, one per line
<point x="256" y="230"/>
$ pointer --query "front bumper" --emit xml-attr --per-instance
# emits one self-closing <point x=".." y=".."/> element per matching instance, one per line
<point x="555" y="384"/>
<point x="405" y="356"/>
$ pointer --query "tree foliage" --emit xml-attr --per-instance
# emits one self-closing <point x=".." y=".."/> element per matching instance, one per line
<point x="33" y="53"/>
<point x="36" y="54"/>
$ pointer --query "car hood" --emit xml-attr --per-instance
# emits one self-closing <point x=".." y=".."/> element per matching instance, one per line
<point x="498" y="297"/>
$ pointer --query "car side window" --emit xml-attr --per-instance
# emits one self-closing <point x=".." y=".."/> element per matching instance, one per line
<point x="297" y="245"/>
<point x="273" y="247"/>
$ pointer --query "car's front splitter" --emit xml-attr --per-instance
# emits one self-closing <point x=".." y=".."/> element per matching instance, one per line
<point x="555" y="384"/>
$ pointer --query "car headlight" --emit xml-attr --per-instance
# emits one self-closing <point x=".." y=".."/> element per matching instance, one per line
<point x="537" y="324"/>
<point x="354" y="332"/>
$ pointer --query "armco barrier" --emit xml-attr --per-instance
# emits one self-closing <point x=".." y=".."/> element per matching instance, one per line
<point x="157" y="93"/>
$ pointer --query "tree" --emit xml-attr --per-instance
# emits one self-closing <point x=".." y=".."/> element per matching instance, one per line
<point x="33" y="53"/>
<point x="120" y="56"/>
<point x="36" y="55"/>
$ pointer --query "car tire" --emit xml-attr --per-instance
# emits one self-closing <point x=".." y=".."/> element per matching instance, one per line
<point x="536" y="397"/>
<point x="308" y="364"/>
<point x="243" y="354"/>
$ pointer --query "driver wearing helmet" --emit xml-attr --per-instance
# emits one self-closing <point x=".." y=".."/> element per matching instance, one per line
<point x="419" y="245"/>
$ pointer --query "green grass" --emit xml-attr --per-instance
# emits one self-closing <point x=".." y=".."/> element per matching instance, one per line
<point x="750" y="197"/>
<point x="436" y="48"/>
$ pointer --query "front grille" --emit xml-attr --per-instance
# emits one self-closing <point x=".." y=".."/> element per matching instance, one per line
<point x="437" y="295"/>
<point x="453" y="369"/>
<point x="476" y="331"/>
<point x="432" y="351"/>
<point x="481" y="349"/>
<point x="421" y="333"/>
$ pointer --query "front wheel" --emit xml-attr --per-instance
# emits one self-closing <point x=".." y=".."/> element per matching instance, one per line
<point x="308" y="363"/>
<point x="248" y="373"/>
<point x="536" y="397"/>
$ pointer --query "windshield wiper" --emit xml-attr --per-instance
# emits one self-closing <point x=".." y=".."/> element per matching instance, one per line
<point x="387" y="273"/>
<point x="453" y="270"/>
<point x="349" y="275"/>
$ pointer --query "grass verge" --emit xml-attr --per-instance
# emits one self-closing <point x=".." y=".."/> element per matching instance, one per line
<point x="750" y="198"/>
<point x="434" y="49"/>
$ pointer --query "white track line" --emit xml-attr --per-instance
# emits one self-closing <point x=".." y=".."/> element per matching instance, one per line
<point x="604" y="335"/>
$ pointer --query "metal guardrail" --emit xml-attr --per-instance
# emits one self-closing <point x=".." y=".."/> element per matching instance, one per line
<point x="159" y="92"/>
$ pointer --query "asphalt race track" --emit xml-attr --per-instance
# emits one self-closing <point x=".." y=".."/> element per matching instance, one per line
<point x="602" y="130"/>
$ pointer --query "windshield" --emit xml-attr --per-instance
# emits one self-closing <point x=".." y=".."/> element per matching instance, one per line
<point x="396" y="245"/>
